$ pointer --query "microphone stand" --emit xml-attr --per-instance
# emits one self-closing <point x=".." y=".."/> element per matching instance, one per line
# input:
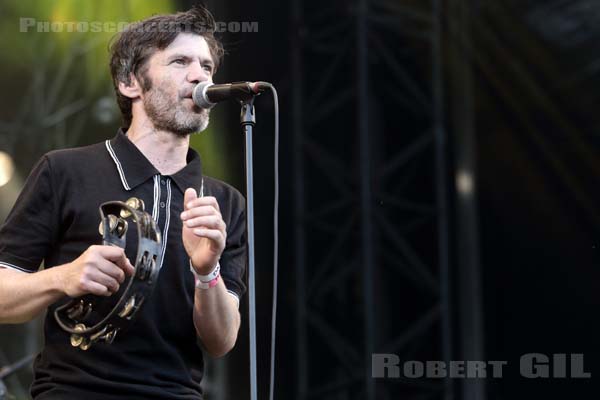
<point x="247" y="122"/>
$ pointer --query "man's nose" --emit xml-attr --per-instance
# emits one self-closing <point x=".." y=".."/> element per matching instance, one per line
<point x="197" y="73"/>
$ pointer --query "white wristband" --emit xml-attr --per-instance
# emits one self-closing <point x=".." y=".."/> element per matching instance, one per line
<point x="206" y="278"/>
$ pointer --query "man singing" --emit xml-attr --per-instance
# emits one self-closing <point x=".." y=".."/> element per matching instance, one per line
<point x="155" y="64"/>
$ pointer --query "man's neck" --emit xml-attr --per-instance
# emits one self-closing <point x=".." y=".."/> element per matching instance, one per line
<point x="166" y="151"/>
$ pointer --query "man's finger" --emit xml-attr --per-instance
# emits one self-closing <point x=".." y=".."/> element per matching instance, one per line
<point x="199" y="211"/>
<point x="213" y="234"/>
<point x="97" y="289"/>
<point x="209" y="221"/>
<point x="203" y="201"/>
<point x="112" y="253"/>
<point x="125" y="265"/>
<point x="105" y="280"/>
<point x="113" y="270"/>
<point x="188" y="197"/>
<point x="117" y="256"/>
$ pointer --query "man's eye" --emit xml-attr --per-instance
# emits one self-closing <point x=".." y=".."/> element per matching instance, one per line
<point x="208" y="67"/>
<point x="179" y="61"/>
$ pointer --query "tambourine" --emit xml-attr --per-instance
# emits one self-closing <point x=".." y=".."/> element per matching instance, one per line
<point x="90" y="319"/>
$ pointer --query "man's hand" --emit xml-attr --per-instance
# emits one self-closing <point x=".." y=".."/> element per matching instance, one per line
<point x="204" y="232"/>
<point x="99" y="270"/>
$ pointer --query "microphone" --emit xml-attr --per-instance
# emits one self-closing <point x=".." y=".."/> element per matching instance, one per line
<point x="207" y="94"/>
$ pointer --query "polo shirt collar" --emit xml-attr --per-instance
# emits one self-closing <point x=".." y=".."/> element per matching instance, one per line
<point x="134" y="168"/>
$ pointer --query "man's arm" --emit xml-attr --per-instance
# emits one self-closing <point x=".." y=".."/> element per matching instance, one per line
<point x="216" y="316"/>
<point x="23" y="296"/>
<point x="99" y="270"/>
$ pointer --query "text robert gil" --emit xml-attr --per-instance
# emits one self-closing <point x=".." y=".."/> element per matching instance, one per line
<point x="531" y="365"/>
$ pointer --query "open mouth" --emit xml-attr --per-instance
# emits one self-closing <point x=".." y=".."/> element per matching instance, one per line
<point x="187" y="98"/>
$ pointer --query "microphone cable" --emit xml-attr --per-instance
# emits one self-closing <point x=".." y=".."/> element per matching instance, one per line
<point x="275" y="241"/>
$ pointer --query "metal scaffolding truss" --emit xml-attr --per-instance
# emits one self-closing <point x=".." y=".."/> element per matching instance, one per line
<point x="371" y="226"/>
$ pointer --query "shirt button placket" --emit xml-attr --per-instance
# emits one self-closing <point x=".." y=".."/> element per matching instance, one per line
<point x="162" y="201"/>
<point x="163" y="193"/>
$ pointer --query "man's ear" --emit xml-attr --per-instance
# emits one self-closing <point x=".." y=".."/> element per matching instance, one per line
<point x="131" y="90"/>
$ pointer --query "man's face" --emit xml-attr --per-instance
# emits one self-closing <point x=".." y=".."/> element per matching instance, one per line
<point x="169" y="80"/>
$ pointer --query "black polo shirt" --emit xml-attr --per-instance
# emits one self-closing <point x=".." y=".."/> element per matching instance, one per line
<point x="56" y="218"/>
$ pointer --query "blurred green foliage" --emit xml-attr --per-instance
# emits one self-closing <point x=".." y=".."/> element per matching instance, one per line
<point x="55" y="80"/>
<point x="17" y="46"/>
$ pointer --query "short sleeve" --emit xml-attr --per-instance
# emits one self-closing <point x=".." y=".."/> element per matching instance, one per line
<point x="234" y="258"/>
<point x="32" y="225"/>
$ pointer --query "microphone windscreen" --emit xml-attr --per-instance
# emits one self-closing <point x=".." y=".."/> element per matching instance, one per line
<point x="199" y="95"/>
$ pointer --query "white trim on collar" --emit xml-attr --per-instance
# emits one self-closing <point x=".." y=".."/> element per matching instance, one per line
<point x="118" y="164"/>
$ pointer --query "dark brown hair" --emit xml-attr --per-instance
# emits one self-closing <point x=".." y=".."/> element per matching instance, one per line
<point x="132" y="48"/>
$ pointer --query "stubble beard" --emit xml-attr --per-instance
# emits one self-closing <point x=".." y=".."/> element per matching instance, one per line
<point x="174" y="116"/>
